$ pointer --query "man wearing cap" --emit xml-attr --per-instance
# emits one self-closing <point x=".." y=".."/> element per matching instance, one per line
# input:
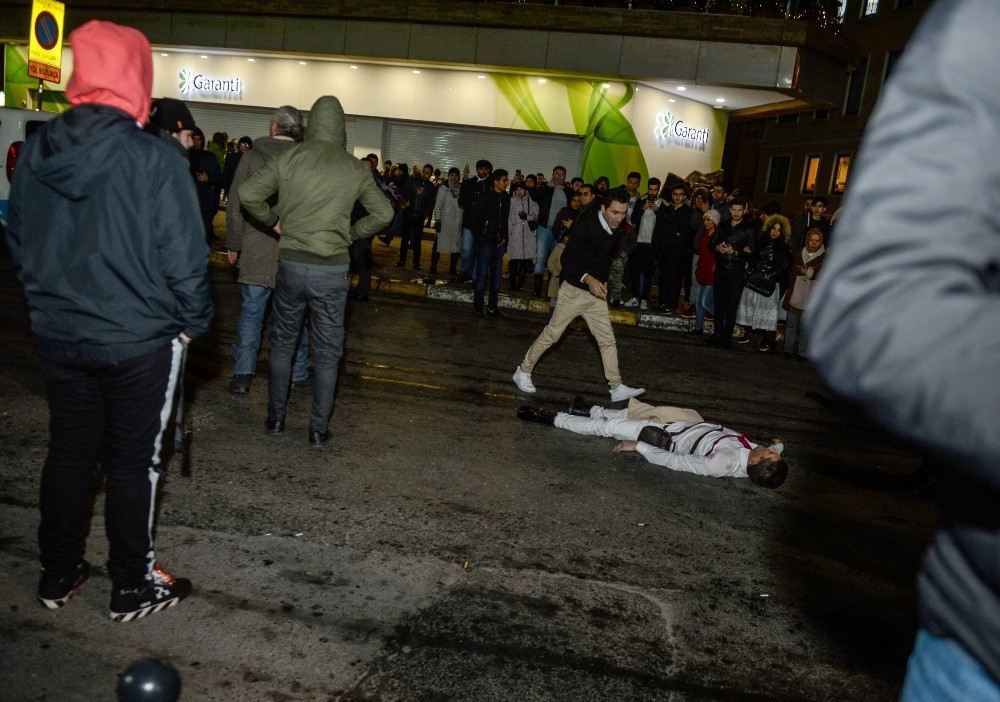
<point x="171" y="119"/>
<point x="106" y="239"/>
<point x="255" y="247"/>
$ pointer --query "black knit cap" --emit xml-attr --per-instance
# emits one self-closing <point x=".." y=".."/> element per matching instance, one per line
<point x="171" y="115"/>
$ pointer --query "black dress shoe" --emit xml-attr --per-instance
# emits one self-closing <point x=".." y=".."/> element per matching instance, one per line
<point x="275" y="426"/>
<point x="494" y="312"/>
<point x="318" y="438"/>
<point x="579" y="407"/>
<point x="656" y="437"/>
<point x="535" y="414"/>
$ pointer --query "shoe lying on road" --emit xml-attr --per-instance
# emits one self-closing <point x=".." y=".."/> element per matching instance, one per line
<point x="631" y="303"/>
<point x="158" y="592"/>
<point x="523" y="381"/>
<point x="54" y="591"/>
<point x="624" y="392"/>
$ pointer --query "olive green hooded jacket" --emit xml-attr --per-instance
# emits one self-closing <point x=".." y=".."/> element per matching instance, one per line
<point x="317" y="183"/>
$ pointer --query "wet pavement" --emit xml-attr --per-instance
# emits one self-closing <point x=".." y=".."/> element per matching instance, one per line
<point x="439" y="549"/>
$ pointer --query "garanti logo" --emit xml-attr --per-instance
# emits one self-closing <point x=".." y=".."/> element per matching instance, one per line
<point x="191" y="83"/>
<point x="671" y="130"/>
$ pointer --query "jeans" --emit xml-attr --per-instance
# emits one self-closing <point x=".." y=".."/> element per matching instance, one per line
<point x="544" y="241"/>
<point x="795" y="326"/>
<point x="940" y="670"/>
<point x="323" y="289"/>
<point x="468" y="253"/>
<point x="253" y="307"/>
<point x="361" y="263"/>
<point x="115" y="411"/>
<point x="489" y="265"/>
<point x="640" y="271"/>
<point x="705" y="302"/>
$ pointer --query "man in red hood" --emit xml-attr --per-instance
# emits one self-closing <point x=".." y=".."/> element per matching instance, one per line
<point x="106" y="239"/>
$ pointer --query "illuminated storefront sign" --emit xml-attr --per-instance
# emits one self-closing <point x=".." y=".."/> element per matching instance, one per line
<point x="670" y="130"/>
<point x="198" y="84"/>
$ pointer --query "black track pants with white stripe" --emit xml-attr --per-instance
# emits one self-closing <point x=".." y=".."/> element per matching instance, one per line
<point x="115" y="414"/>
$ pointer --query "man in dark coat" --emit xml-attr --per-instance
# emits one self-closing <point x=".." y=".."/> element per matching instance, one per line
<point x="208" y="180"/>
<point x="470" y="190"/>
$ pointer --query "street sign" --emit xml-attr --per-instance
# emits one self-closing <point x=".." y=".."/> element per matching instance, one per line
<point x="45" y="42"/>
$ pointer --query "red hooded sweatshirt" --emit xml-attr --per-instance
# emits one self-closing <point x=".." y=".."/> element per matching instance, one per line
<point x="112" y="65"/>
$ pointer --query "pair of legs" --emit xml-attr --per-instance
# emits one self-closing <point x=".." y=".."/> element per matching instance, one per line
<point x="795" y="329"/>
<point x="544" y="241"/>
<point x="704" y="304"/>
<point x="640" y="271"/>
<point x="728" y="290"/>
<point x="436" y="256"/>
<point x="253" y="307"/>
<point x="468" y="254"/>
<point x="624" y="424"/>
<point x="411" y="237"/>
<point x="323" y="290"/>
<point x="120" y="409"/>
<point x="361" y="262"/>
<point x="573" y="303"/>
<point x="671" y="259"/>
<point x="489" y="264"/>
<point x="518" y="268"/>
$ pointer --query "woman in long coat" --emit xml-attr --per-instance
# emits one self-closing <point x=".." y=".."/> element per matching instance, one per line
<point x="521" y="227"/>
<point x="448" y="216"/>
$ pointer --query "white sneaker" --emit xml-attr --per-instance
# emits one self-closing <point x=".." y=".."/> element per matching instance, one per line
<point x="523" y="381"/>
<point x="632" y="303"/>
<point x="643" y="305"/>
<point x="624" y="392"/>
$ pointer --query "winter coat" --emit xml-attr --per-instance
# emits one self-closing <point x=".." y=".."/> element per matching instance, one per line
<point x="704" y="272"/>
<point x="317" y="183"/>
<point x="771" y="258"/>
<point x="559" y="230"/>
<point x="208" y="191"/>
<point x="739" y="237"/>
<point x="105" y="236"/>
<point x="489" y="217"/>
<point x="589" y="250"/>
<point x="798" y="268"/>
<point x="448" y="214"/>
<point x="472" y="188"/>
<point x="257" y="243"/>
<point x="520" y="237"/>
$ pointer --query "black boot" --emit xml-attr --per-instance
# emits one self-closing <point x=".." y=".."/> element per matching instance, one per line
<point x="527" y="413"/>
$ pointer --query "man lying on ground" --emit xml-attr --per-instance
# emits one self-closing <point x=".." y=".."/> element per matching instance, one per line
<point x="673" y="437"/>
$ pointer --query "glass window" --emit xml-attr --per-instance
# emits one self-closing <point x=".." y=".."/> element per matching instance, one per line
<point x="777" y="174"/>
<point x="810" y="174"/>
<point x="869" y="7"/>
<point x="841" y="170"/>
<point x="855" y="89"/>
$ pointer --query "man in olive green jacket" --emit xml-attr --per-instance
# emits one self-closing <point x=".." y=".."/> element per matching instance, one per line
<point x="317" y="183"/>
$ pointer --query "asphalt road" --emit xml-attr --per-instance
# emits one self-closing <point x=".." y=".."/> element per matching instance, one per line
<point x="440" y="549"/>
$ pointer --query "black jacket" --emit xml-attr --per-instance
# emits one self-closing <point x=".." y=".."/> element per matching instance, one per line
<point x="673" y="229"/>
<point x="590" y="249"/>
<point x="489" y="217"/>
<point x="208" y="192"/>
<point x="106" y="238"/>
<point x="739" y="237"/>
<point x="771" y="257"/>
<point x="468" y="193"/>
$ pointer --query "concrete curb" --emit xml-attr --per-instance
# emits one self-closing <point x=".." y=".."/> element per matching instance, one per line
<point x="416" y="287"/>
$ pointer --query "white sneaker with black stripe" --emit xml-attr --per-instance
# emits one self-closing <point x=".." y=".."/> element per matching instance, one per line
<point x="160" y="591"/>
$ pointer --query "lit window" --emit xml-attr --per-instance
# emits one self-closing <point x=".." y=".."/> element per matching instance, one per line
<point x="777" y="174"/>
<point x="840" y="173"/>
<point x="810" y="174"/>
<point x="870" y="7"/>
<point x="855" y="89"/>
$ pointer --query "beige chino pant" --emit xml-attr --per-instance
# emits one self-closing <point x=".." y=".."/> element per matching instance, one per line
<point x="573" y="303"/>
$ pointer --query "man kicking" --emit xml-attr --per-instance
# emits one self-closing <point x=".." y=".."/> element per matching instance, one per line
<point x="673" y="437"/>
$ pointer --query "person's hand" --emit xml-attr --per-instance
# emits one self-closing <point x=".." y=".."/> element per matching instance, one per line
<point x="232" y="256"/>
<point x="201" y="176"/>
<point x="465" y="171"/>
<point x="567" y="223"/>
<point x="624" y="447"/>
<point x="185" y="339"/>
<point x="596" y="287"/>
<point x="809" y="273"/>
<point x="277" y="228"/>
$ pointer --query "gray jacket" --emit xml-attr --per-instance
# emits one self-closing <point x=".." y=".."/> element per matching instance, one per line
<point x="906" y="317"/>
<point x="256" y="243"/>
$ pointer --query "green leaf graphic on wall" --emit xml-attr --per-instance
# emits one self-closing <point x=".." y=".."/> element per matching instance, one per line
<point x="610" y="147"/>
<point x="20" y="89"/>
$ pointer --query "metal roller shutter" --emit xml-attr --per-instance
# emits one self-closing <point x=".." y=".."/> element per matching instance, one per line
<point x="242" y="121"/>
<point x="447" y="145"/>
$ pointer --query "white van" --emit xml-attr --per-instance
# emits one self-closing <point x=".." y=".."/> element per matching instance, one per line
<point x="15" y="126"/>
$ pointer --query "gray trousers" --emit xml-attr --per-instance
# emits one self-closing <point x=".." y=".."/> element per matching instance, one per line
<point x="795" y="327"/>
<point x="324" y="291"/>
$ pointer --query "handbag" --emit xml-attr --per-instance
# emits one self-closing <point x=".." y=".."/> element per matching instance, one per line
<point x="800" y="292"/>
<point x="760" y="283"/>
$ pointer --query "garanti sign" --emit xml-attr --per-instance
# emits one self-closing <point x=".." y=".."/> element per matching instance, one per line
<point x="193" y="84"/>
<point x="676" y="132"/>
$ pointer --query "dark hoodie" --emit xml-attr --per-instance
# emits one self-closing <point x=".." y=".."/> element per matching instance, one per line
<point x="104" y="228"/>
<point x="317" y="183"/>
